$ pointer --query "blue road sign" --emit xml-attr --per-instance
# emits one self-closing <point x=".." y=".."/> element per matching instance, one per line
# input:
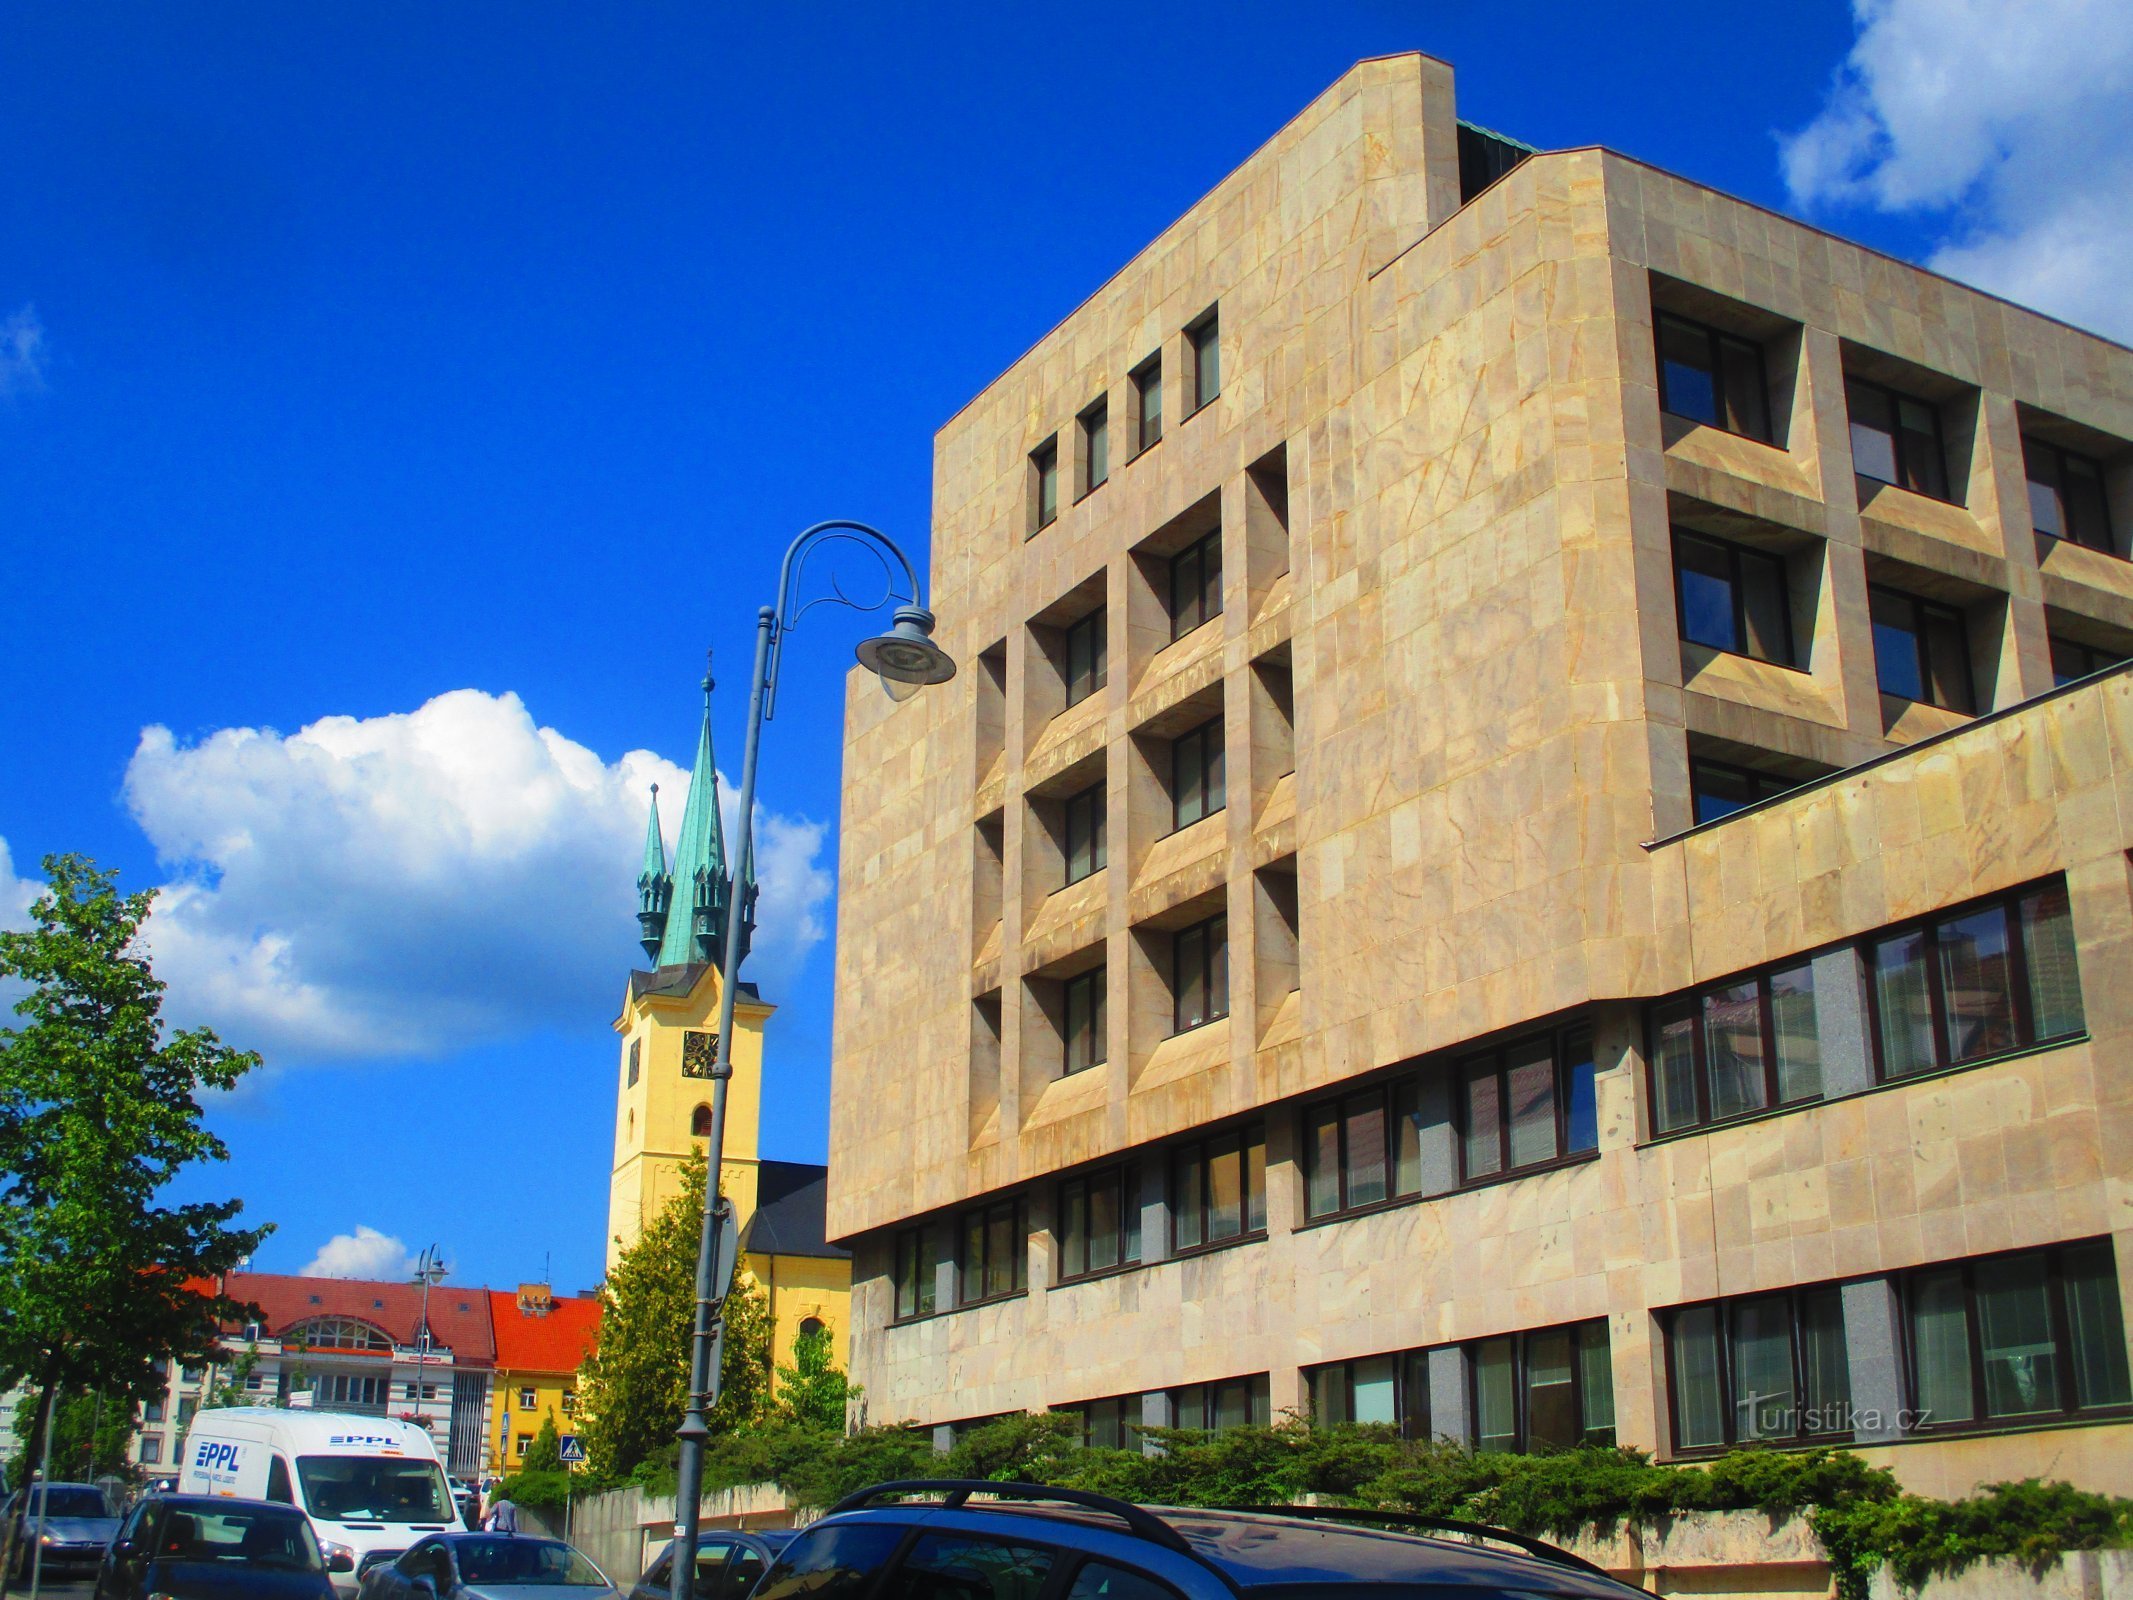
<point x="572" y="1451"/>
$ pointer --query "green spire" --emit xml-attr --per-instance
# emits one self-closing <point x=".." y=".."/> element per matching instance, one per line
<point x="655" y="848"/>
<point x="700" y="880"/>
<point x="655" y="889"/>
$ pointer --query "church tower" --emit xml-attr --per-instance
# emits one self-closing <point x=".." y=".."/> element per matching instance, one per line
<point x="669" y="1017"/>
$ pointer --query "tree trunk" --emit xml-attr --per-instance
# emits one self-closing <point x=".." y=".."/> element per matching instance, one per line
<point x="45" y="1403"/>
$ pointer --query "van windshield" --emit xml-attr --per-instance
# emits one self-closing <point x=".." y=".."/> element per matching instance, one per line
<point x="374" y="1489"/>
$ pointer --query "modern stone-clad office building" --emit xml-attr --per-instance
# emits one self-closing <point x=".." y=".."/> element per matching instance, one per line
<point x="1532" y="841"/>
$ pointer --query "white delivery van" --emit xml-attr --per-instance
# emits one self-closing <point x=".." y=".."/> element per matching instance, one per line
<point x="370" y="1485"/>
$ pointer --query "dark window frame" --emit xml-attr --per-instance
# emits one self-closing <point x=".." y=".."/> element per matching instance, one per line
<point x="1774" y="785"/>
<point x="1017" y="1211"/>
<point x="1202" y="747"/>
<point x="1921" y="609"/>
<point x="1147" y="381"/>
<point x="1388" y="1095"/>
<point x="1217" y="1010"/>
<point x="1083" y="825"/>
<point x="1736" y="556"/>
<point x="1195" y="597"/>
<point x="1521" y="1387"/>
<point x="2062" y="1341"/>
<point x="1074" y="1202"/>
<point x="1725" y="1308"/>
<point x="1089" y="636"/>
<point x="2008" y="902"/>
<point x="1562" y="1060"/>
<point x="1716" y="345"/>
<point x="1406" y="1365"/>
<point x="1258" y="1401"/>
<point x="1125" y="1428"/>
<point x="1044" y="465"/>
<point x="1200" y="1152"/>
<point x="1907" y="475"/>
<point x="924" y="1258"/>
<point x="1093" y="426"/>
<point x="1204" y="335"/>
<point x="1772" y="1100"/>
<point x="2032" y="447"/>
<point x="1093" y="983"/>
<point x="2093" y="659"/>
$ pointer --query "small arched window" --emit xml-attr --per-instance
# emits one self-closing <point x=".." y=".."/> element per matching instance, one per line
<point x="811" y="1328"/>
<point x="700" y="1123"/>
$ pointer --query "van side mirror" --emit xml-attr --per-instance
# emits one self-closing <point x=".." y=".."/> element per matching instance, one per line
<point x="340" y="1561"/>
<point x="126" y="1549"/>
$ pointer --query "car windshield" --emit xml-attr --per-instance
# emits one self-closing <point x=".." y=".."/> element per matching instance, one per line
<point x="374" y="1489"/>
<point x="505" y="1562"/>
<point x="69" y="1500"/>
<point x="277" y="1541"/>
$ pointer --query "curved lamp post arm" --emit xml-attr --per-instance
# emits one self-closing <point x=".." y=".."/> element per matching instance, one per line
<point x="782" y="616"/>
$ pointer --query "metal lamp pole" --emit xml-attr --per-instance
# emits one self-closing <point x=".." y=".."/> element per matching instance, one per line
<point x="429" y="1267"/>
<point x="906" y="659"/>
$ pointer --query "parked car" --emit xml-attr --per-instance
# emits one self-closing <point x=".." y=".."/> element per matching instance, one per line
<point x="73" y="1522"/>
<point x="200" y="1547"/>
<point x="487" y="1566"/>
<point x="1026" y="1540"/>
<point x="728" y="1563"/>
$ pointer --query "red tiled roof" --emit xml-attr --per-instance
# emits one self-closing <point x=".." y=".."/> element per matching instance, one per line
<point x="459" y="1316"/>
<point x="558" y="1342"/>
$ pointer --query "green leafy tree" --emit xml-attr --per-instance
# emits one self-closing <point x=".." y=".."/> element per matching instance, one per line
<point x="812" y="1393"/>
<point x="91" y="1438"/>
<point x="100" y="1284"/>
<point x="545" y="1454"/>
<point x="633" y="1389"/>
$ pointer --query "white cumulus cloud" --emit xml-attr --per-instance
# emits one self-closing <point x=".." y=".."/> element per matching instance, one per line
<point x="2011" y="125"/>
<point x="21" y="352"/>
<point x="420" y="881"/>
<point x="365" y="1253"/>
<point x="16" y="897"/>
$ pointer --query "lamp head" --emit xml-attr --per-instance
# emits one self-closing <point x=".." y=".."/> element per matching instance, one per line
<point x="905" y="658"/>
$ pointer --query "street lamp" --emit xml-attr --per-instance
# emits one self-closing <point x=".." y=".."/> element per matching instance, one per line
<point x="906" y="660"/>
<point x="429" y="1269"/>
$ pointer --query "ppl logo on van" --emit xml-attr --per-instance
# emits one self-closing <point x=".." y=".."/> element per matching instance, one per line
<point x="216" y="1455"/>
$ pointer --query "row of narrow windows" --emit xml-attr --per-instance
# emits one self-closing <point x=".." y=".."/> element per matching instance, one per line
<point x="1970" y="984"/>
<point x="2033" y="1336"/>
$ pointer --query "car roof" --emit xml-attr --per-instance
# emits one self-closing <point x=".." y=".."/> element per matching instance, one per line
<point x="1254" y="1549"/>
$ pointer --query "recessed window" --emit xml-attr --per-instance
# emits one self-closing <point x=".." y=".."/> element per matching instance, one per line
<point x="1735" y="1048"/>
<point x="1232" y="1403"/>
<point x="1095" y="426"/>
<point x="1551" y="1390"/>
<point x="1527" y="1104"/>
<point x="526" y="1399"/>
<point x="525" y="1443"/>
<point x="2066" y="495"/>
<point x="1200" y="974"/>
<point x="1195" y="585"/>
<point x="151" y="1411"/>
<point x="917" y="1278"/>
<point x="1992" y="977"/>
<point x="1087" y="656"/>
<point x="1198" y="787"/>
<point x="2029" y="1337"/>
<point x="1203" y="343"/>
<point x="1732" y="598"/>
<point x="700" y="1123"/>
<point x="151" y="1449"/>
<point x="2072" y="661"/>
<point x="1100" y="1221"/>
<point x="1147" y="403"/>
<point x="1084" y="832"/>
<point x="1713" y="377"/>
<point x="994" y="1262"/>
<point x="1921" y="650"/>
<point x="1044" y="485"/>
<point x="1382" y="1389"/>
<point x="636" y="1051"/>
<point x="1363" y="1149"/>
<point x="570" y="1401"/>
<point x="1218" y="1189"/>
<point x="1084" y="1001"/>
<point x="1764" y="1367"/>
<point x="1112" y="1424"/>
<point x="1896" y="439"/>
<point x="1718" y="789"/>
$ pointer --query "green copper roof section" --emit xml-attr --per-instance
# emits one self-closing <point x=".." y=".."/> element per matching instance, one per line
<point x="655" y="848"/>
<point x="701" y="847"/>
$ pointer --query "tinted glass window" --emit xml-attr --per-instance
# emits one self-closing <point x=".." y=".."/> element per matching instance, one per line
<point x="834" y="1563"/>
<point x="1096" y="1581"/>
<point x="945" y="1566"/>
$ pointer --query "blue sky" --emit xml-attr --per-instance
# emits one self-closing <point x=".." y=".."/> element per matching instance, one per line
<point x="457" y="374"/>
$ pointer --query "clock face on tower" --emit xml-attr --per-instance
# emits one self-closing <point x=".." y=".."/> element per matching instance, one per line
<point x="699" y="1049"/>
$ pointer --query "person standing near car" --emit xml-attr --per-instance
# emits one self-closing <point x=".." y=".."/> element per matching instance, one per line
<point x="502" y="1517"/>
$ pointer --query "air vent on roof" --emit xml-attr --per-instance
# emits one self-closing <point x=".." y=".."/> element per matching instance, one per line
<point x="377" y="1305"/>
<point x="464" y="1306"/>
<point x="315" y="1300"/>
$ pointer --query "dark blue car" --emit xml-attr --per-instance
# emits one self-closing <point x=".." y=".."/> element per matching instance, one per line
<point x="201" y="1547"/>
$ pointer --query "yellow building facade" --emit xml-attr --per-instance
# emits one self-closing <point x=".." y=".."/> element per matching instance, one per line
<point x="668" y="1030"/>
<point x="541" y="1341"/>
